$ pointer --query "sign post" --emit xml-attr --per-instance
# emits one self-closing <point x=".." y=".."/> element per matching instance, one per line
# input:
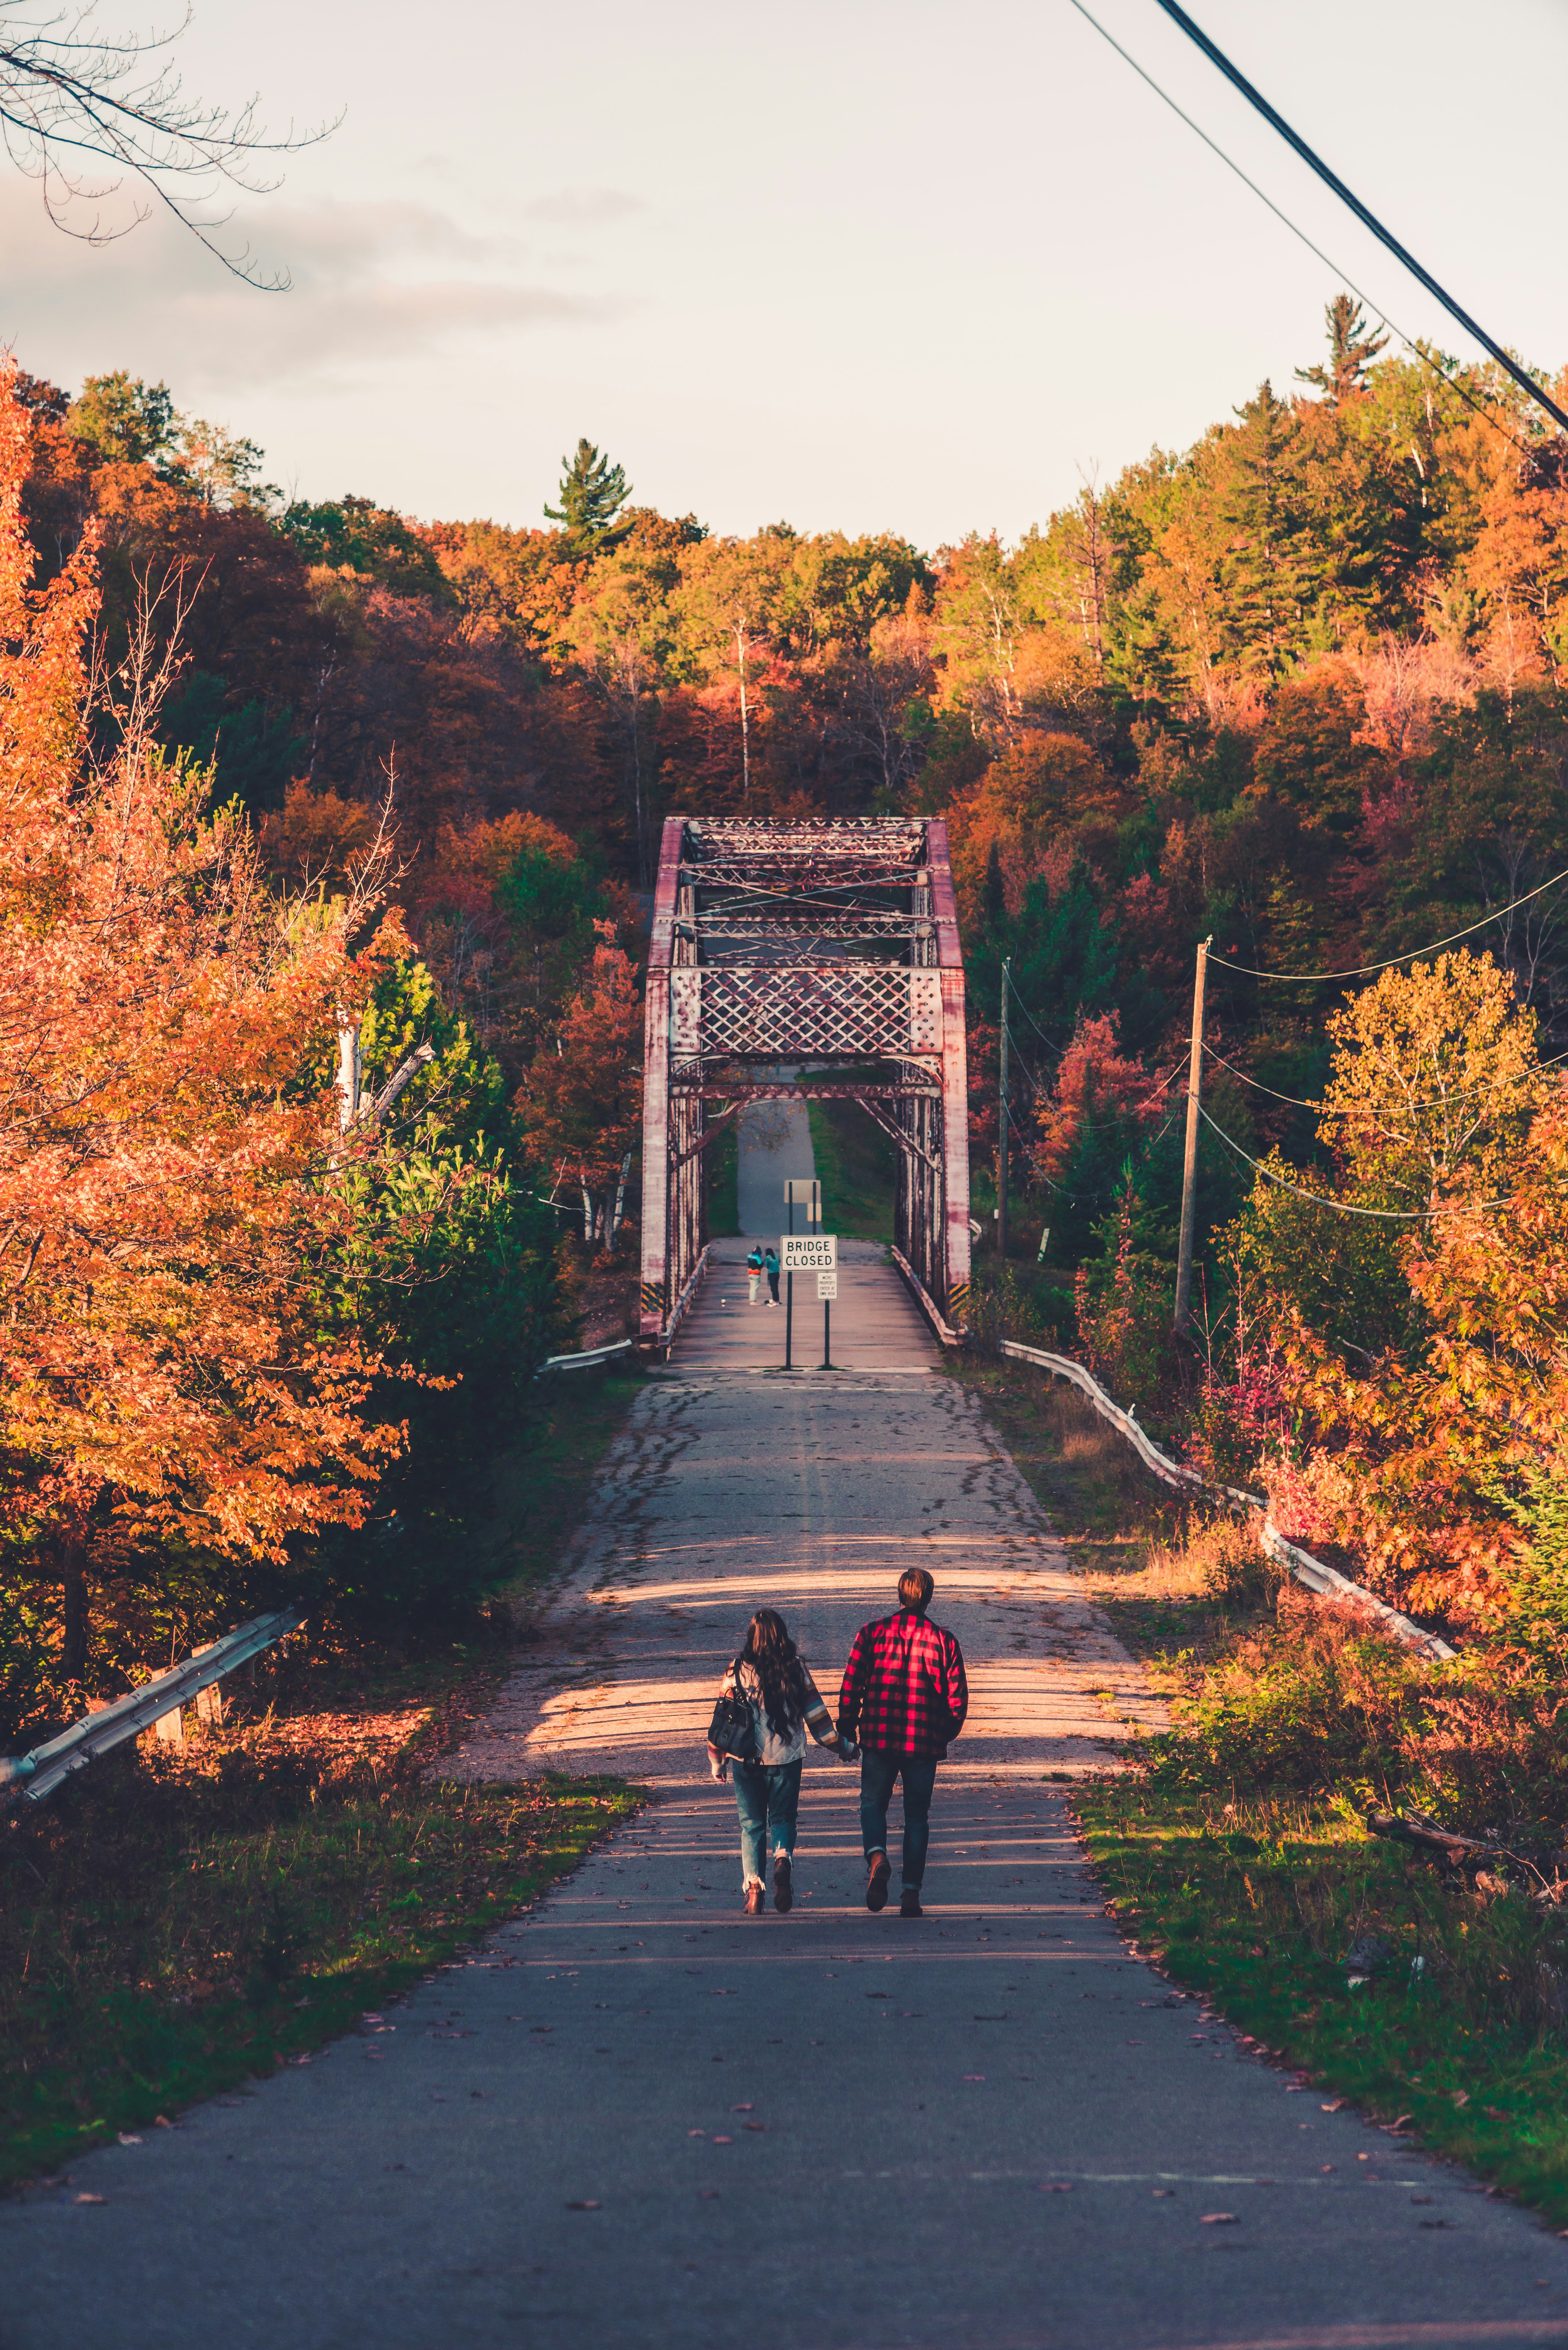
<point x="803" y="1191"/>
<point x="806" y="1253"/>
<point x="828" y="1290"/>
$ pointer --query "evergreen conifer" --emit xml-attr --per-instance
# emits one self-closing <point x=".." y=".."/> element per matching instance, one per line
<point x="593" y="493"/>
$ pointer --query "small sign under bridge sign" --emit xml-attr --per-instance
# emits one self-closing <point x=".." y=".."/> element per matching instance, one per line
<point x="809" y="1253"/>
<point x="826" y="1286"/>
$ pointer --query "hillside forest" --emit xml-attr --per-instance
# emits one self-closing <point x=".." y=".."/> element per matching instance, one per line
<point x="276" y="772"/>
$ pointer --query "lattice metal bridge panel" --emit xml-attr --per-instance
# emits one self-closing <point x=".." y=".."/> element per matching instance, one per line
<point x="825" y="943"/>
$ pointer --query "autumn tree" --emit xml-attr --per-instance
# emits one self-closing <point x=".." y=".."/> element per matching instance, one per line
<point x="1436" y="1079"/>
<point x="1352" y="348"/>
<point x="580" y="1106"/>
<point x="170" y="1392"/>
<point x="727" y="603"/>
<point x="622" y="630"/>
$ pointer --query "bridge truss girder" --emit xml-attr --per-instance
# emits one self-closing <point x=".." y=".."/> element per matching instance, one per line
<point x="830" y="944"/>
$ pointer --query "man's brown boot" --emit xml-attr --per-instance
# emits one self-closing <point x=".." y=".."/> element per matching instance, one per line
<point x="756" y="1899"/>
<point x="876" y="1883"/>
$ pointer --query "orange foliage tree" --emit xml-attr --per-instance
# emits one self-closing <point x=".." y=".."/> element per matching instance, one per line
<point x="580" y="1106"/>
<point x="171" y="1390"/>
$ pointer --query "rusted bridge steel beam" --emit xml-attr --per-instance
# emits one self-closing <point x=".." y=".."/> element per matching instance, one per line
<point x="833" y="944"/>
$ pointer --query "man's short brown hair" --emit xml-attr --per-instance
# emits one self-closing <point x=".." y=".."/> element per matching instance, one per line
<point x="915" y="1589"/>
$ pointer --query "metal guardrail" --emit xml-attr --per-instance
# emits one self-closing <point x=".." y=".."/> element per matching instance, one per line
<point x="684" y="1300"/>
<point x="1312" y="1572"/>
<point x="923" y="1299"/>
<point x="577" y="1362"/>
<point x="38" y="1773"/>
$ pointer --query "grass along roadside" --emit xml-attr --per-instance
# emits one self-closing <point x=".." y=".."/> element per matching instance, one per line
<point x="164" y="1939"/>
<point x="1238" y="1855"/>
<point x="1255" y="1903"/>
<point x="170" y="1927"/>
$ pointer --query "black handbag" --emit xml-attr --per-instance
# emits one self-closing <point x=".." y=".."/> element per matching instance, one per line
<point x="734" y="1729"/>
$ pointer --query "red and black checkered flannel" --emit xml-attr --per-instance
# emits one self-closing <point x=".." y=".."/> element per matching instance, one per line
<point x="904" y="1689"/>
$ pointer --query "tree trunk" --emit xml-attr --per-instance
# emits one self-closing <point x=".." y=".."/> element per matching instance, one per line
<point x="73" y="1577"/>
<point x="745" y="724"/>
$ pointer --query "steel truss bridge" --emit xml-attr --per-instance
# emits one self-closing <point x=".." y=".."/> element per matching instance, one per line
<point x="827" y="951"/>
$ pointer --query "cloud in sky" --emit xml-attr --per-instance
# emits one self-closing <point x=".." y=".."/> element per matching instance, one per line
<point x="583" y="207"/>
<point x="372" y="282"/>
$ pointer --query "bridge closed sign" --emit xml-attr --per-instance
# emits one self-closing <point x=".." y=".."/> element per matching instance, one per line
<point x="808" y="1253"/>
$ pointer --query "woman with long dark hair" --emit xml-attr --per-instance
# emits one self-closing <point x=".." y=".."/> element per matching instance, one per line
<point x="769" y="1677"/>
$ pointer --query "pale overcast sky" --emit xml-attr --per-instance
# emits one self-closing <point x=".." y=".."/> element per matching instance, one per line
<point x="851" y="264"/>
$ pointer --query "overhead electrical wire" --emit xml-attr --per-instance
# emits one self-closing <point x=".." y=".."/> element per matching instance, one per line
<point x="1384" y="319"/>
<point x="1344" y="1207"/>
<point x="1294" y="1101"/>
<point x="1412" y="954"/>
<point x="1368" y="218"/>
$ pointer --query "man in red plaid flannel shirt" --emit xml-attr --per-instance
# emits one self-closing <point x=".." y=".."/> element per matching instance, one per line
<point x="904" y="1697"/>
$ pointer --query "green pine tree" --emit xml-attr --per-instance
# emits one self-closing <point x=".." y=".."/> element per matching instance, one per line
<point x="1352" y="348"/>
<point x="593" y="493"/>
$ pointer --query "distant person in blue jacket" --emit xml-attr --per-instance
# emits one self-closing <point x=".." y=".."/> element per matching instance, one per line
<point x="771" y="1265"/>
<point x="754" y="1273"/>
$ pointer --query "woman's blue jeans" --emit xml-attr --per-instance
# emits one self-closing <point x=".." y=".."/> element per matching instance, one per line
<point x="766" y="1796"/>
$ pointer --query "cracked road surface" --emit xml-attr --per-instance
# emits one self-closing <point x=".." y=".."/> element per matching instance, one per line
<point x="634" y="2119"/>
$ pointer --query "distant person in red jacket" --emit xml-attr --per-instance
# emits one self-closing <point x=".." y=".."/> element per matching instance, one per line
<point x="904" y="1697"/>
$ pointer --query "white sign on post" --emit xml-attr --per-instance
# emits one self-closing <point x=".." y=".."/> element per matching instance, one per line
<point x="808" y="1253"/>
<point x="827" y="1285"/>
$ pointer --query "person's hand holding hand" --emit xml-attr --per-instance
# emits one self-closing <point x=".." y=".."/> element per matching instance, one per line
<point x="719" y="1766"/>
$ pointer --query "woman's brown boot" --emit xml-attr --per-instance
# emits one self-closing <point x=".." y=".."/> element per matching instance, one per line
<point x="756" y="1899"/>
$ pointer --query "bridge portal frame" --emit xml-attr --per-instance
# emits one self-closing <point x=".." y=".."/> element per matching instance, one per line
<point x="833" y="942"/>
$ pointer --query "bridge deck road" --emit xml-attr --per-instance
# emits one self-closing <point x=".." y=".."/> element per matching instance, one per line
<point x="635" y="2119"/>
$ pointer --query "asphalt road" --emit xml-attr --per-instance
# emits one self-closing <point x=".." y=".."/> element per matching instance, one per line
<point x="636" y="2118"/>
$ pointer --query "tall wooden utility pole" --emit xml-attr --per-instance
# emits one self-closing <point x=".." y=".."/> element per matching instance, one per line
<point x="1001" y="1126"/>
<point x="1189" y="1163"/>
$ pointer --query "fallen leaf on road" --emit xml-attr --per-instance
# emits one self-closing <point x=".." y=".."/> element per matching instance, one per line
<point x="722" y="2141"/>
<point x="1400" y="2123"/>
<point x="974" y="2076"/>
<point x="588" y="2205"/>
<point x="89" y="2199"/>
<point x="1334" y="2107"/>
<point x="709" y="2195"/>
<point x="161" y="2121"/>
<point x="127" y="2138"/>
<point x="754" y="2126"/>
<point x="742" y="2109"/>
<point x="696" y="2133"/>
<point x="1219" y="2220"/>
<point x="1055" y="2186"/>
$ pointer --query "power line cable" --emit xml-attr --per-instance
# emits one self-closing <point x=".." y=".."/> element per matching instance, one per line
<point x="1412" y="954"/>
<point x="1345" y="1207"/>
<point x="1410" y="343"/>
<point x="1368" y="219"/>
<point x="1461" y="1093"/>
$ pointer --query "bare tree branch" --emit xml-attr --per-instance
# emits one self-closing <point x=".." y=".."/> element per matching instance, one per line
<point x="67" y="93"/>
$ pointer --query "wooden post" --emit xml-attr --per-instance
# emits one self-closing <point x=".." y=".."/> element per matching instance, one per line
<point x="1190" y="1164"/>
<point x="1001" y="1123"/>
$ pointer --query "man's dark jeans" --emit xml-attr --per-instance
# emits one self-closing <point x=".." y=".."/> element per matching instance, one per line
<point x="878" y="1773"/>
